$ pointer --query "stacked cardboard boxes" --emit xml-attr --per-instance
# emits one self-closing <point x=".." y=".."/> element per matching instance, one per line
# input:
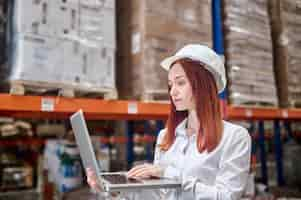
<point x="248" y="52"/>
<point x="286" y="21"/>
<point x="64" y="43"/>
<point x="148" y="32"/>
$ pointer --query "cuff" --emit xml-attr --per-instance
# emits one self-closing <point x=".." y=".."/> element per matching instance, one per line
<point x="171" y="172"/>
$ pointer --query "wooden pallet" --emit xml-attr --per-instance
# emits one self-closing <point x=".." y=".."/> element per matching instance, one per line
<point x="53" y="89"/>
<point x="295" y="103"/>
<point x="155" y="96"/>
<point x="250" y="103"/>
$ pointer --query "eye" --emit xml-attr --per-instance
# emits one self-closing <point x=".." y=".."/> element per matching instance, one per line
<point x="169" y="87"/>
<point x="181" y="82"/>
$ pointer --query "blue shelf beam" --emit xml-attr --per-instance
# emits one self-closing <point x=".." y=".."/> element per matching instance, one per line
<point x="278" y="153"/>
<point x="261" y="141"/>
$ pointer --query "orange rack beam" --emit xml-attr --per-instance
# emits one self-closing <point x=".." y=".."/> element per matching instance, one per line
<point x="22" y="141"/>
<point x="62" y="108"/>
<point x="239" y="113"/>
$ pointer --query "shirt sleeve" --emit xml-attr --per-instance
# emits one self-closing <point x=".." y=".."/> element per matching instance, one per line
<point x="232" y="175"/>
<point x="158" y="152"/>
<point x="170" y="171"/>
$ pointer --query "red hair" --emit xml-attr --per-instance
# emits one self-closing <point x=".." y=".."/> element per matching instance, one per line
<point x="208" y="110"/>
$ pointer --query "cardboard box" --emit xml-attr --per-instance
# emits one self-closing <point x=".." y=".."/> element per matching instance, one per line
<point x="98" y="68"/>
<point x="90" y="67"/>
<point x="97" y="24"/>
<point x="99" y="3"/>
<point x="66" y="16"/>
<point x="81" y="20"/>
<point x="33" y="17"/>
<point x="286" y="20"/>
<point x="73" y="60"/>
<point x="109" y="28"/>
<point x="37" y="58"/>
<point x="148" y="32"/>
<point x="249" y="53"/>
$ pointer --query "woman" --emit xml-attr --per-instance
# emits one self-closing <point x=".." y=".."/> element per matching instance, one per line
<point x="210" y="156"/>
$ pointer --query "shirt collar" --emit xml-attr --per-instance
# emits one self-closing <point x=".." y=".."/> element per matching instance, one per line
<point x="181" y="128"/>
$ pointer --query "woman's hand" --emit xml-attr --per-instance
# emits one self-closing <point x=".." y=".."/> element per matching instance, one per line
<point x="145" y="171"/>
<point x="92" y="180"/>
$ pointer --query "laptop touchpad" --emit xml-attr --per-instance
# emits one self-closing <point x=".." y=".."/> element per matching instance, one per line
<point x="119" y="179"/>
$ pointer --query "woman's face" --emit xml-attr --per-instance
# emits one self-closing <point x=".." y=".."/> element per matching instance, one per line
<point x="180" y="88"/>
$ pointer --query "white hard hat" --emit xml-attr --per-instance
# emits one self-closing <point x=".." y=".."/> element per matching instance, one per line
<point x="213" y="62"/>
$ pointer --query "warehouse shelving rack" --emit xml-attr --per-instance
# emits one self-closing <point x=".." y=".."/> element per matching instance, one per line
<point x="96" y="109"/>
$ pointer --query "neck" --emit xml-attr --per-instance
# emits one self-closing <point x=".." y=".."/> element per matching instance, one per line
<point x="192" y="123"/>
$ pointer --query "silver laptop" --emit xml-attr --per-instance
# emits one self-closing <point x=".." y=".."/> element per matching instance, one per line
<point x="111" y="181"/>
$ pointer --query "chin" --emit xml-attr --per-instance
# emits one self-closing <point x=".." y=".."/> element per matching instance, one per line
<point x="181" y="108"/>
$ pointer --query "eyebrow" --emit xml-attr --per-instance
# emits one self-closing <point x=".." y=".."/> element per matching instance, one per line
<point x="177" y="77"/>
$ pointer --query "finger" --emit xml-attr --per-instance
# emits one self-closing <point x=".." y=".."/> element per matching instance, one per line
<point x="147" y="172"/>
<point x="137" y="171"/>
<point x="90" y="173"/>
<point x="141" y="166"/>
<point x="89" y="170"/>
<point x="91" y="179"/>
<point x="91" y="182"/>
<point x="96" y="186"/>
<point x="143" y="176"/>
<point x="137" y="168"/>
<point x="153" y="171"/>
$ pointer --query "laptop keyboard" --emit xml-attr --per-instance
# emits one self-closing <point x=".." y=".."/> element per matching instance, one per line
<point x="119" y="179"/>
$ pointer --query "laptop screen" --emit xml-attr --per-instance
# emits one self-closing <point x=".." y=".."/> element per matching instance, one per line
<point x="83" y="140"/>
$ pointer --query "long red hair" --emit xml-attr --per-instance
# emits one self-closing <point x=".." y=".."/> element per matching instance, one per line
<point x="208" y="110"/>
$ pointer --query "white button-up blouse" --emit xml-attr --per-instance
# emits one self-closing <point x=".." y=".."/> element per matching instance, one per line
<point x="220" y="174"/>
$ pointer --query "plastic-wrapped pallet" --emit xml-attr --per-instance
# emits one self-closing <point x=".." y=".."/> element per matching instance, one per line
<point x="84" y="20"/>
<point x="64" y="45"/>
<point x="3" y="59"/>
<point x="248" y="52"/>
<point x="148" y="32"/>
<point x="2" y="30"/>
<point x="292" y="162"/>
<point x="286" y="23"/>
<point x="62" y="160"/>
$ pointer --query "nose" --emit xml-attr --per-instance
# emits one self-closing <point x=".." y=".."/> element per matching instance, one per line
<point x="173" y="91"/>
